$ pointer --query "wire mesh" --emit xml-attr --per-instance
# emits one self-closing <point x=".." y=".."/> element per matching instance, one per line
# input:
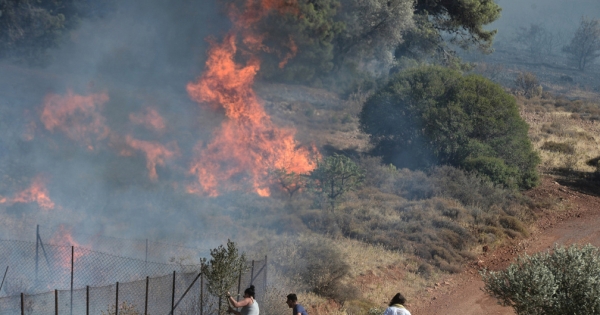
<point x="38" y="278"/>
<point x="142" y="249"/>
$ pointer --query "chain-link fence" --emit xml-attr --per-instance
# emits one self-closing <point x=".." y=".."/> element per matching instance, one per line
<point x="142" y="249"/>
<point x="52" y="279"/>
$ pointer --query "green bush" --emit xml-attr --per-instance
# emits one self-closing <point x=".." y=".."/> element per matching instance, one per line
<point x="493" y="169"/>
<point x="435" y="116"/>
<point x="565" y="281"/>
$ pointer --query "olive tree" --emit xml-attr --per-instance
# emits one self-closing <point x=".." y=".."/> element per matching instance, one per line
<point x="222" y="271"/>
<point x="584" y="47"/>
<point x="565" y="281"/>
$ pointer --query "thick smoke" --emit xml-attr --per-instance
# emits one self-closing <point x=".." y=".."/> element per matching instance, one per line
<point x="109" y="180"/>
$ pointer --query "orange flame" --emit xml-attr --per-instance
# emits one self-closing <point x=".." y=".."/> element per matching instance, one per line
<point x="37" y="192"/>
<point x="291" y="54"/>
<point x="64" y="236"/>
<point x="156" y="154"/>
<point x="151" y="119"/>
<point x="248" y="145"/>
<point x="76" y="116"/>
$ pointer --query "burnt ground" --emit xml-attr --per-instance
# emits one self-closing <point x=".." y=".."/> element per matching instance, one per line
<point x="576" y="219"/>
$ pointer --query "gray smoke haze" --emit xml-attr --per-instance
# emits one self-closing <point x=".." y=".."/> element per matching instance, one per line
<point x="555" y="15"/>
<point x="142" y="56"/>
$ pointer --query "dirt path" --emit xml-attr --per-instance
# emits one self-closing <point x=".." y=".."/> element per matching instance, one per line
<point x="578" y="223"/>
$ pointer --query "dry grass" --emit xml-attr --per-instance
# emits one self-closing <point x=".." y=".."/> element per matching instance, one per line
<point x="562" y="127"/>
<point x="377" y="272"/>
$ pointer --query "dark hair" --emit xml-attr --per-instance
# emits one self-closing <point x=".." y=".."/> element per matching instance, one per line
<point x="250" y="291"/>
<point x="397" y="299"/>
<point x="292" y="297"/>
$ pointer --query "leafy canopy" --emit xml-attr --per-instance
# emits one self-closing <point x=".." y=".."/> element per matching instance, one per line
<point x="436" y="116"/>
<point x="459" y="22"/>
<point x="28" y="28"/>
<point x="335" y="176"/>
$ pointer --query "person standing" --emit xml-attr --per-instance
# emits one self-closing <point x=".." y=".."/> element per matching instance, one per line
<point x="396" y="306"/>
<point x="292" y="302"/>
<point x="248" y="304"/>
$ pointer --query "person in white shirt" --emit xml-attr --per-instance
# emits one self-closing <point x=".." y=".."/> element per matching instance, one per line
<point x="396" y="306"/>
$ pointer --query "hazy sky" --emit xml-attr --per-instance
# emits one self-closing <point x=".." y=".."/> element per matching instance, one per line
<point x="554" y="14"/>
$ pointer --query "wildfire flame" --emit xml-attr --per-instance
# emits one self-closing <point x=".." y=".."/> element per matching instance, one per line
<point x="37" y="192"/>
<point x="76" y="115"/>
<point x="151" y="119"/>
<point x="64" y="236"/>
<point x="156" y="153"/>
<point x="248" y="145"/>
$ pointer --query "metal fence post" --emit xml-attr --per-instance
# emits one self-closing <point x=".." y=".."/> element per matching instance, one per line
<point x="87" y="300"/>
<point x="239" y="285"/>
<point x="265" y="276"/>
<point x="173" y="295"/>
<point x="37" y="251"/>
<point x="146" y="303"/>
<point x="22" y="304"/>
<point x="55" y="302"/>
<point x="72" y="263"/>
<point x="117" y="300"/>
<point x="202" y="293"/>
<point x="185" y="293"/>
<point x="252" y="273"/>
<point x="5" y="272"/>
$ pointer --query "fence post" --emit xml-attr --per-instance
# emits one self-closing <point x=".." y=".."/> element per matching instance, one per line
<point x="252" y="273"/>
<point x="185" y="293"/>
<point x="37" y="251"/>
<point x="173" y="295"/>
<point x="117" y="299"/>
<point x="22" y="304"/>
<point x="265" y="276"/>
<point x="55" y="302"/>
<point x="5" y="272"/>
<point x="202" y="293"/>
<point x="87" y="300"/>
<point x="146" y="303"/>
<point x="72" y="263"/>
<point x="239" y="285"/>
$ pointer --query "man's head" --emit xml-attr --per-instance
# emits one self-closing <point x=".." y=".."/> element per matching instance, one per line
<point x="292" y="299"/>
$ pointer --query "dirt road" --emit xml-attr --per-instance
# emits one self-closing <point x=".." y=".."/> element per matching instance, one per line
<point x="579" y="223"/>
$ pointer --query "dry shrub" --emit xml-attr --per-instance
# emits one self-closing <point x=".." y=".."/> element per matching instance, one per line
<point x="513" y="224"/>
<point x="559" y="147"/>
<point x="124" y="309"/>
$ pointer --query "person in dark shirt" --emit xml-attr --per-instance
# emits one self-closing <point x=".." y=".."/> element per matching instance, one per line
<point x="292" y="302"/>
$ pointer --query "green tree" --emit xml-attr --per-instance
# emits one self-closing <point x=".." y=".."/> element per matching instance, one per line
<point x="326" y="36"/>
<point x="223" y="270"/>
<point x="584" y="48"/>
<point x="462" y="20"/>
<point x="436" y="116"/>
<point x="566" y="281"/>
<point x="335" y="176"/>
<point x="373" y="29"/>
<point x="28" y="28"/>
